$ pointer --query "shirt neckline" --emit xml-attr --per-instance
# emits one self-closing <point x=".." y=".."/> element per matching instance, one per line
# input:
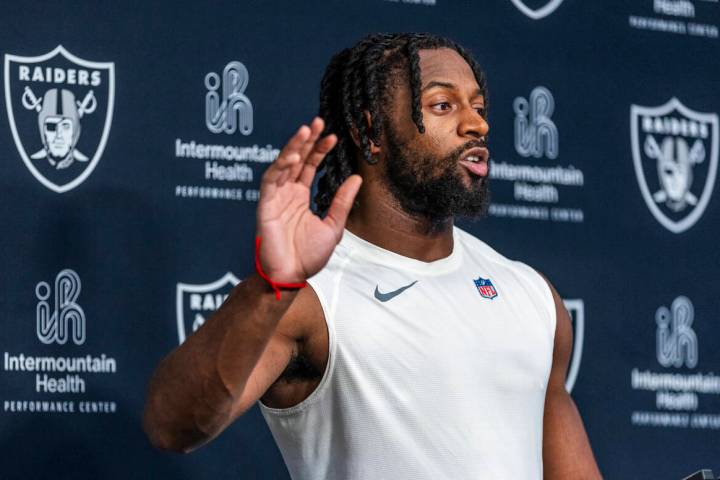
<point x="370" y="251"/>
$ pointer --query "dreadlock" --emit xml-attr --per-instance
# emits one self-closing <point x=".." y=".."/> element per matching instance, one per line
<point x="355" y="82"/>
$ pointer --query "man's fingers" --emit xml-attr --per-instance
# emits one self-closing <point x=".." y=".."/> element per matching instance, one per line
<point x="342" y="203"/>
<point x="284" y="176"/>
<point x="296" y="142"/>
<point x="316" y="128"/>
<point x="321" y="149"/>
<point x="301" y="147"/>
<point x="289" y="155"/>
<point x="300" y="143"/>
<point x="293" y="150"/>
<point x="281" y="164"/>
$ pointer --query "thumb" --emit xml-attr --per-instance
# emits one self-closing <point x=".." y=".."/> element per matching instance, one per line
<point x="342" y="203"/>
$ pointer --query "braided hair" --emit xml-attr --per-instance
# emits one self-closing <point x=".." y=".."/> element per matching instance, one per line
<point x="356" y="82"/>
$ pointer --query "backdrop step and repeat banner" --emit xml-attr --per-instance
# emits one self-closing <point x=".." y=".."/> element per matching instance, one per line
<point x="134" y="136"/>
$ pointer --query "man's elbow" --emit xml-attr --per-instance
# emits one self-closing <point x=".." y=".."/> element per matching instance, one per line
<point x="163" y="436"/>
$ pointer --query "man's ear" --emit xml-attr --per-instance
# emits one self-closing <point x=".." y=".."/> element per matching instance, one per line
<point x="374" y="149"/>
<point x="355" y="136"/>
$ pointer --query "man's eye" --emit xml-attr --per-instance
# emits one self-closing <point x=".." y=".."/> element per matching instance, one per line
<point x="442" y="106"/>
<point x="480" y="111"/>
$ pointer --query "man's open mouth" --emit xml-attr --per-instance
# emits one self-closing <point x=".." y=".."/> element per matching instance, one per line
<point x="476" y="160"/>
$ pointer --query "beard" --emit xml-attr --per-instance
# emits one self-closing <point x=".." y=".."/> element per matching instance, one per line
<point x="433" y="188"/>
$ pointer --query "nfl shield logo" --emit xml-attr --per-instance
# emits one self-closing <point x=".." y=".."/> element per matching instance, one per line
<point x="675" y="154"/>
<point x="195" y="303"/>
<point x="60" y="109"/>
<point x="486" y="288"/>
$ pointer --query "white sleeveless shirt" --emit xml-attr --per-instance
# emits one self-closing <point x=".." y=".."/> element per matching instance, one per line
<point x="444" y="379"/>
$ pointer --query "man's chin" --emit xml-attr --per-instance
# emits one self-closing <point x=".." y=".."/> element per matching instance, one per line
<point x="438" y="211"/>
<point x="473" y="184"/>
<point x="473" y="201"/>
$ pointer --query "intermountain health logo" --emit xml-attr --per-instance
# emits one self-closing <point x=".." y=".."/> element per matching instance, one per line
<point x="695" y="18"/>
<point x="675" y="154"/>
<point x="684" y="395"/>
<point x="228" y="110"/>
<point x="65" y="319"/>
<point x="195" y="302"/>
<point x="222" y="171"/>
<point x="56" y="375"/>
<point x="576" y="309"/>
<point x="536" y="182"/>
<point x="537" y="9"/>
<point x="535" y="133"/>
<point x="677" y="343"/>
<point x="60" y="109"/>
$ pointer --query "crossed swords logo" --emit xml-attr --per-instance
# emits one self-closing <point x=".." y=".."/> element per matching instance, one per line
<point x="675" y="172"/>
<point x="85" y="107"/>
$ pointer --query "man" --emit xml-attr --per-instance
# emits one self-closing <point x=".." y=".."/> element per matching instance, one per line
<point x="419" y="352"/>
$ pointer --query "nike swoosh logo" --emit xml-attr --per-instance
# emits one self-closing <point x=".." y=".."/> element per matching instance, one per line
<point x="384" y="297"/>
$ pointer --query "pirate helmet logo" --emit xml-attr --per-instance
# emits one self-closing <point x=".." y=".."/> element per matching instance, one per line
<point x="51" y="100"/>
<point x="59" y="123"/>
<point x="675" y="154"/>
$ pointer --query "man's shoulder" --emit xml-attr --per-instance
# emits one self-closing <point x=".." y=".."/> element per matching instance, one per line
<point x="477" y="246"/>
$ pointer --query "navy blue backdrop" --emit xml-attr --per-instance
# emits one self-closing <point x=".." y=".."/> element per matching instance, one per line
<point x="134" y="137"/>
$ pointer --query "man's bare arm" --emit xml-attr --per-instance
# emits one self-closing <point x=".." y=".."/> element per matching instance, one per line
<point x="566" y="449"/>
<point x="224" y="367"/>
<point x="192" y="394"/>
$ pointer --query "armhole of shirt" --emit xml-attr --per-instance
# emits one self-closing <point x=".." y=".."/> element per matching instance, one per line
<point x="328" y="309"/>
<point x="550" y="304"/>
<point x="547" y="297"/>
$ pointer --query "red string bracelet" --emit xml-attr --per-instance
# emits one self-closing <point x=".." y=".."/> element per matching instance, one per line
<point x="274" y="285"/>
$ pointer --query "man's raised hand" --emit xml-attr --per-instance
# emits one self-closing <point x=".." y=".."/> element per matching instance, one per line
<point x="296" y="243"/>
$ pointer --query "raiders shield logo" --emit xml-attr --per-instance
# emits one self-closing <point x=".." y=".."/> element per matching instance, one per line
<point x="675" y="153"/>
<point x="576" y="309"/>
<point x="537" y="9"/>
<point x="60" y="110"/>
<point x="195" y="303"/>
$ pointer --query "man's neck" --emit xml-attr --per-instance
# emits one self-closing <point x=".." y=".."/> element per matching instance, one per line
<point x="379" y="219"/>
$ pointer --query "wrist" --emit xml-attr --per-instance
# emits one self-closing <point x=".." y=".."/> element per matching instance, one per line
<point x="263" y="291"/>
<point x="277" y="287"/>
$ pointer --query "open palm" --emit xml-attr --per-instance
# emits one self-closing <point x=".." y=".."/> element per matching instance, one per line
<point x="296" y="243"/>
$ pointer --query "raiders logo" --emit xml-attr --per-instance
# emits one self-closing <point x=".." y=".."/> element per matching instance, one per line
<point x="195" y="303"/>
<point x="576" y="309"/>
<point x="537" y="8"/>
<point x="60" y="111"/>
<point x="675" y="153"/>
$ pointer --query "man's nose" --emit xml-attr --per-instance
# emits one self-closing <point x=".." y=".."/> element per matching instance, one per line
<point x="472" y="124"/>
